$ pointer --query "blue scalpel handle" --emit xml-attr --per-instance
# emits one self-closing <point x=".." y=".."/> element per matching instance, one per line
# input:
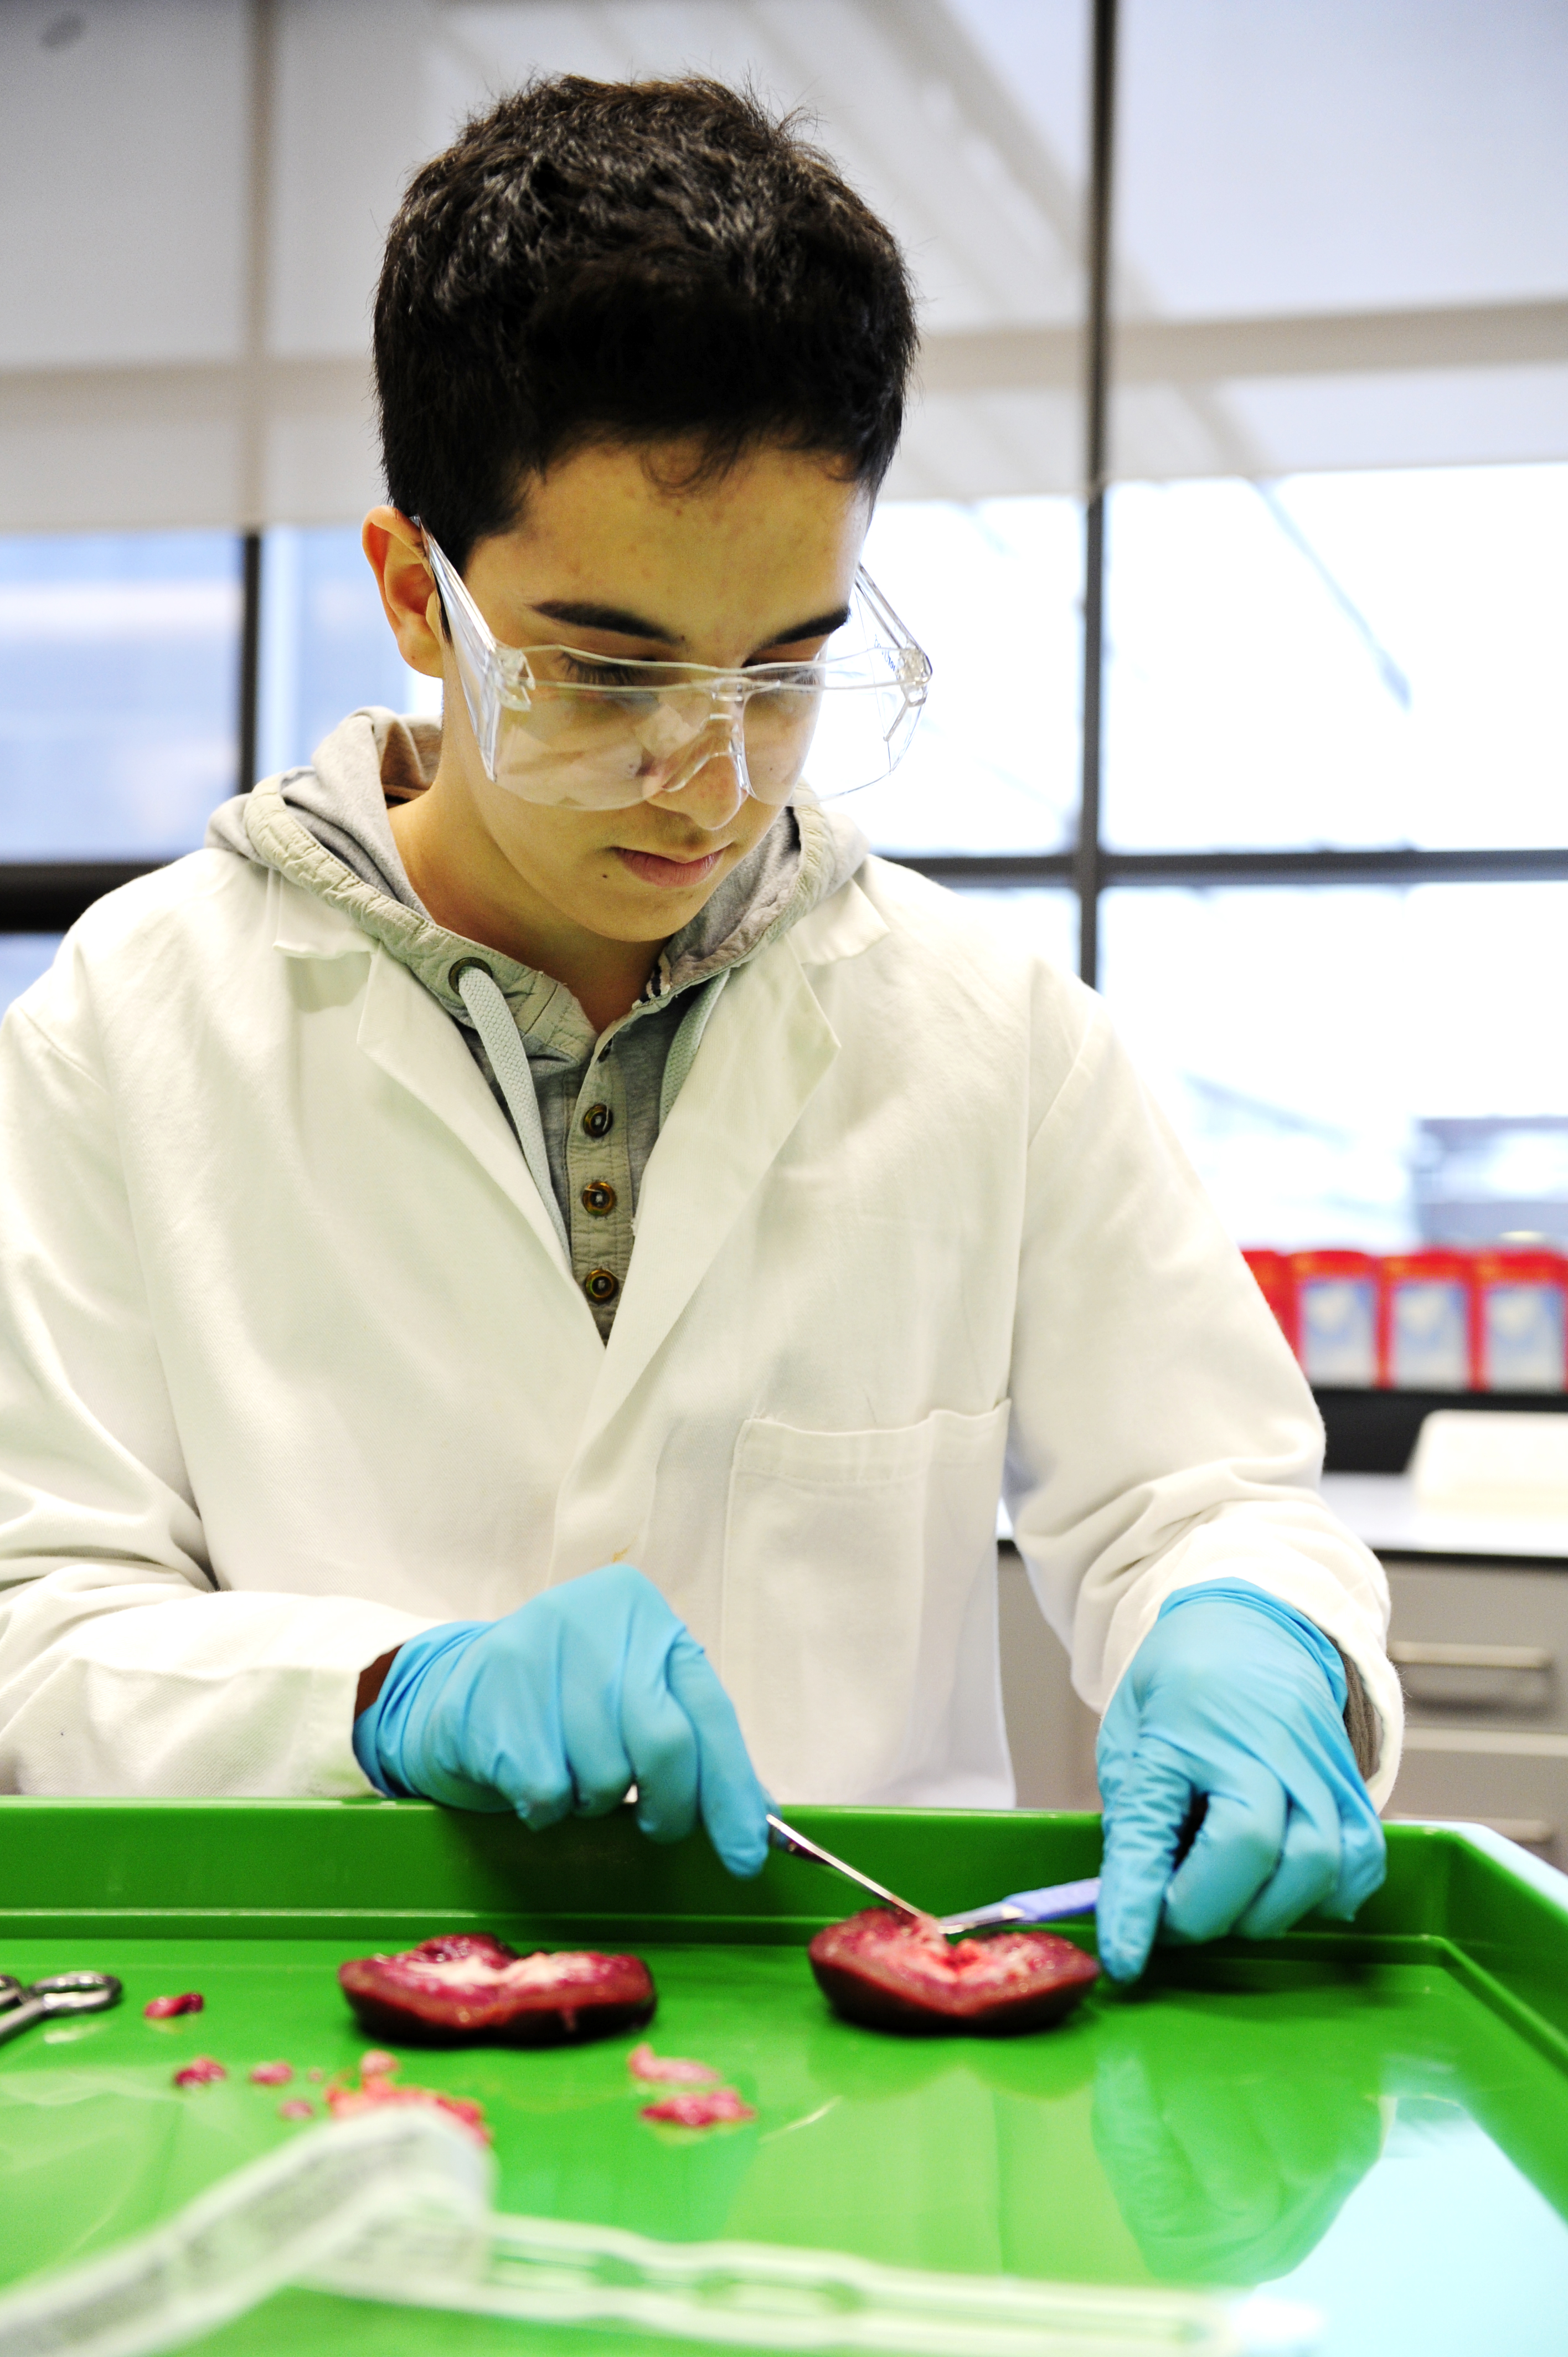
<point x="1054" y="1904"/>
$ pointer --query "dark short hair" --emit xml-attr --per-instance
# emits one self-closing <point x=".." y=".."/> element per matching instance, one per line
<point x="637" y="262"/>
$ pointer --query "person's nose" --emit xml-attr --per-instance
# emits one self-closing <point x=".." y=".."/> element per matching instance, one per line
<point x="712" y="783"/>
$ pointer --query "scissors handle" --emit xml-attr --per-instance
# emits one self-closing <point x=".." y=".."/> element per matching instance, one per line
<point x="59" y="1996"/>
<point x="18" y="2018"/>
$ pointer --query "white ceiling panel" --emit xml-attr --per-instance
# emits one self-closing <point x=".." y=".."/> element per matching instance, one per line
<point x="917" y="115"/>
<point x="1288" y="155"/>
<point x="125" y="164"/>
<point x="1437" y="417"/>
<point x="1343" y="227"/>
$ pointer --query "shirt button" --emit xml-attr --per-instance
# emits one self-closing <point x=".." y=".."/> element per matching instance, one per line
<point x="599" y="1199"/>
<point x="601" y="1284"/>
<point x="598" y="1120"/>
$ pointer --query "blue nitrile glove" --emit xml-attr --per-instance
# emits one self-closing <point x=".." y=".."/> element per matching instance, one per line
<point x="555" y="1709"/>
<point x="1236" y="1700"/>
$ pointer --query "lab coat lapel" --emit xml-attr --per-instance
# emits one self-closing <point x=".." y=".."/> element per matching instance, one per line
<point x="403" y="1030"/>
<point x="763" y="1055"/>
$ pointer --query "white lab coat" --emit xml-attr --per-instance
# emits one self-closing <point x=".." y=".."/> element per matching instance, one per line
<point x="282" y="1316"/>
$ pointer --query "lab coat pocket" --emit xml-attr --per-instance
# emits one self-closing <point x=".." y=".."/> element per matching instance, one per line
<point x="851" y="1566"/>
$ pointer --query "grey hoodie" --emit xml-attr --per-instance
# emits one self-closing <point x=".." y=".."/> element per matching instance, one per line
<point x="601" y="1097"/>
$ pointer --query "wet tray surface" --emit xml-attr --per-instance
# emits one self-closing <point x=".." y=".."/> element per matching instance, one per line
<point x="1373" y="2121"/>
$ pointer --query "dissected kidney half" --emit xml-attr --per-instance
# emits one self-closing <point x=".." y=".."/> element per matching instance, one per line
<point x="467" y="1988"/>
<point x="893" y="1973"/>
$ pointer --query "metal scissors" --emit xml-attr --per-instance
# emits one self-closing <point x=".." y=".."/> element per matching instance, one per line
<point x="61" y="1995"/>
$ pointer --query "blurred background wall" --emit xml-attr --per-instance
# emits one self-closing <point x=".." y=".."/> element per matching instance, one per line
<point x="1326" y="869"/>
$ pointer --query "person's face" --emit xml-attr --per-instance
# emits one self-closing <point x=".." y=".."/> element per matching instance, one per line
<point x="610" y="557"/>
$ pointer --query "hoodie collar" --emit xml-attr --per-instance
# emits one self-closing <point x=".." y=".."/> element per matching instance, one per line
<point x="326" y="829"/>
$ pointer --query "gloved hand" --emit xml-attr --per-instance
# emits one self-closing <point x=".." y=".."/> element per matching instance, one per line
<point x="1235" y="1700"/>
<point x="556" y="1709"/>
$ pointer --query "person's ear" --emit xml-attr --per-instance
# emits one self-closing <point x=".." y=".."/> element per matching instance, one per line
<point x="395" y="549"/>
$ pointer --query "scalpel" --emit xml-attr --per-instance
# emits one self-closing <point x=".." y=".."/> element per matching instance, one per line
<point x="1051" y="1905"/>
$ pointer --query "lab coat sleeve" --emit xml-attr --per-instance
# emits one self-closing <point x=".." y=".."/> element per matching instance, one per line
<point x="125" y="1667"/>
<point x="1162" y="1433"/>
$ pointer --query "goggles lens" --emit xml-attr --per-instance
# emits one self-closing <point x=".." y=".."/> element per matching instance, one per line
<point x="556" y="726"/>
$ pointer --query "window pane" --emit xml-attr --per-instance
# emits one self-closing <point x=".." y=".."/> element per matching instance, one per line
<point x="119" y="681"/>
<point x="23" y="957"/>
<point x="991" y="591"/>
<point x="1314" y="1049"/>
<point x="326" y="645"/>
<point x="1338" y="658"/>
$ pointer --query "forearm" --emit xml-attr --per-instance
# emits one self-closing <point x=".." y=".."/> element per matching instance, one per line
<point x="121" y="1679"/>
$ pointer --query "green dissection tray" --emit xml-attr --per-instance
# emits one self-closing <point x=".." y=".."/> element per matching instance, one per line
<point x="1370" y="2120"/>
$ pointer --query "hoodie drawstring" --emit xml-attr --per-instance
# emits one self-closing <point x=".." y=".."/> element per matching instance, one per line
<point x="482" y="996"/>
<point x="687" y="1040"/>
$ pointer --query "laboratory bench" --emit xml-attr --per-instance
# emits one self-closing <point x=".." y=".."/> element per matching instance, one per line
<point x="1478" y="1633"/>
<point x="1375" y="1431"/>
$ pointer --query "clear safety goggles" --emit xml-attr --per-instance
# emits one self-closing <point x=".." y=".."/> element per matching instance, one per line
<point x="582" y="732"/>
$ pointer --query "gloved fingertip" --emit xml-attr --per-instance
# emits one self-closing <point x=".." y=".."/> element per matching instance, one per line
<point x="1123" y="1965"/>
<point x="739" y="1836"/>
<point x="661" y="1830"/>
<point x="1124" y="1949"/>
<point x="1365" y="1870"/>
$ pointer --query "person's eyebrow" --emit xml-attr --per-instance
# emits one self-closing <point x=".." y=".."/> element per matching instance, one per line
<point x="624" y="625"/>
<point x="821" y="626"/>
<point x="605" y="617"/>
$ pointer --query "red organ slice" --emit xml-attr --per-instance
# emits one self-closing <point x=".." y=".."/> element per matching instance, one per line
<point x="881" y="1969"/>
<point x="468" y="1987"/>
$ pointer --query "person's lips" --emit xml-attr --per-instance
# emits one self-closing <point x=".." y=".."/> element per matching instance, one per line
<point x="674" y="874"/>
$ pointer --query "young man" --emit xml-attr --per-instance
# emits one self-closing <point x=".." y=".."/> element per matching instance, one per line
<point x="511" y="1155"/>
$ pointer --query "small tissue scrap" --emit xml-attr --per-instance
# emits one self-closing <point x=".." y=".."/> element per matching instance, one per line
<point x="668" y="2069"/>
<point x="164" y="2008"/>
<point x="376" y="2091"/>
<point x="711" y="2107"/>
<point x="202" y="2072"/>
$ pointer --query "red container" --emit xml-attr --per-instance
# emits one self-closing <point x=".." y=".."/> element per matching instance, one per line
<point x="1333" y="1309"/>
<point x="1271" y="1270"/>
<point x="1519" y="1321"/>
<point x="1427" y="1322"/>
